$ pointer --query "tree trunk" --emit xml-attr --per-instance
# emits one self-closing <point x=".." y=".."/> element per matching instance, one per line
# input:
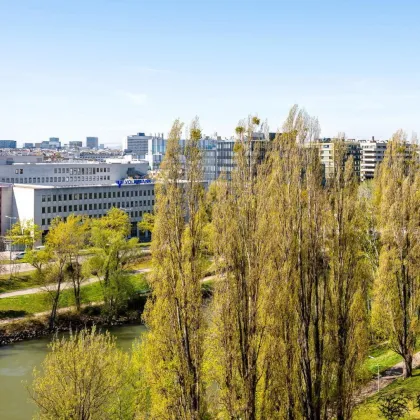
<point x="53" y="314"/>
<point x="408" y="365"/>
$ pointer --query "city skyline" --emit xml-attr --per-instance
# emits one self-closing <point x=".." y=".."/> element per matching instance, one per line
<point x="112" y="69"/>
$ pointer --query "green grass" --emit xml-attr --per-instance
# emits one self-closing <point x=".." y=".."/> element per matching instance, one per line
<point x="411" y="387"/>
<point x="39" y="302"/>
<point x="21" y="281"/>
<point x="383" y="356"/>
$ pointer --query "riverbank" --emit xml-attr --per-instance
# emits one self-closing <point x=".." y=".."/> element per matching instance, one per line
<point x="37" y="326"/>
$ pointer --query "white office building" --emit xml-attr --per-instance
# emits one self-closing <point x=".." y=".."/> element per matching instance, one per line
<point x="42" y="203"/>
<point x="42" y="191"/>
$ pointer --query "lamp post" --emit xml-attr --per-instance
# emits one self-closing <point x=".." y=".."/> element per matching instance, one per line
<point x="377" y="365"/>
<point x="10" y="243"/>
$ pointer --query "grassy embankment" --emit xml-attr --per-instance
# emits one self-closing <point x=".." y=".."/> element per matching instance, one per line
<point x="410" y="387"/>
<point x="18" y="306"/>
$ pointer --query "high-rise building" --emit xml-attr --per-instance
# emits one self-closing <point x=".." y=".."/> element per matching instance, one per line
<point x="140" y="145"/>
<point x="7" y="144"/>
<point x="92" y="142"/>
<point x="28" y="145"/>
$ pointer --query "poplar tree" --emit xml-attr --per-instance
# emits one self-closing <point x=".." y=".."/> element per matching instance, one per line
<point x="397" y="285"/>
<point x="350" y="277"/>
<point x="173" y="347"/>
<point x="239" y="313"/>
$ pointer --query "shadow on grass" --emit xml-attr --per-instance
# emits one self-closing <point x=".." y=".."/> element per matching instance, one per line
<point x="12" y="314"/>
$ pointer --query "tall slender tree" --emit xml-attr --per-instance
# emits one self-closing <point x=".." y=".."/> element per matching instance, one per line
<point x="174" y="343"/>
<point x="350" y="277"/>
<point x="240" y="318"/>
<point x="398" y="281"/>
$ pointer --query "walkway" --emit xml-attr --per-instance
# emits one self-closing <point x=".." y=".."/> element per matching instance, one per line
<point x="53" y="286"/>
<point x="386" y="378"/>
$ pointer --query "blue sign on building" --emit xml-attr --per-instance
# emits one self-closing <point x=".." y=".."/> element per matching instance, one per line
<point x="121" y="182"/>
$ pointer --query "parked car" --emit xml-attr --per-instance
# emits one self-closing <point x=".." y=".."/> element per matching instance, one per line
<point x="39" y="248"/>
<point x="20" y="255"/>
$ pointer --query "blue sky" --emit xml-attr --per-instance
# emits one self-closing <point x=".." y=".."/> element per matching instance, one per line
<point x="109" y="68"/>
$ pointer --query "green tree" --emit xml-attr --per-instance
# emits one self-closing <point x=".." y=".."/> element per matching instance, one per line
<point x="112" y="251"/>
<point x="239" y="311"/>
<point x="25" y="233"/>
<point x="85" y="377"/>
<point x="174" y="342"/>
<point x="350" y="277"/>
<point x="398" y="281"/>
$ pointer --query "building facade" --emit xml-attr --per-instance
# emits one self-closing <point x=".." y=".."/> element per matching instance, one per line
<point x="92" y="142"/>
<point x="7" y="144"/>
<point x="373" y="153"/>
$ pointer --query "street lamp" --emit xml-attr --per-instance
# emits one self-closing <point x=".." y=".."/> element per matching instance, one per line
<point x="377" y="364"/>
<point x="10" y="243"/>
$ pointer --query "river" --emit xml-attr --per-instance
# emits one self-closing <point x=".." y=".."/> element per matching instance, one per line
<point x="18" y="360"/>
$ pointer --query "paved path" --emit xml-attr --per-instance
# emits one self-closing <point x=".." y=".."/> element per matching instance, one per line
<point x="53" y="286"/>
<point x="386" y="378"/>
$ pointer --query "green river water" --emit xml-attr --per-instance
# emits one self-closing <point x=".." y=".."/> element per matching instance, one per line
<point x="18" y="360"/>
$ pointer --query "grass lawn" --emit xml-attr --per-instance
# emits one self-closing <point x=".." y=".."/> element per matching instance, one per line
<point x="20" y="281"/>
<point x="411" y="387"/>
<point x="39" y="302"/>
<point x="383" y="356"/>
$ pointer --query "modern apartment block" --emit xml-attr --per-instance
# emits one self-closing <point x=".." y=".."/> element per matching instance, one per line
<point x="373" y="153"/>
<point x="137" y="145"/>
<point x="327" y="154"/>
<point x="92" y="142"/>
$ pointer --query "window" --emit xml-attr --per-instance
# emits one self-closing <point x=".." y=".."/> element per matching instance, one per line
<point x="43" y="179"/>
<point x="54" y="198"/>
<point x="55" y="170"/>
<point x="86" y="206"/>
<point x="90" y="196"/>
<point x="65" y="197"/>
<point x="70" y="196"/>
<point x="43" y="210"/>
<point x="55" y="179"/>
<point x="86" y="196"/>
<point x="59" y="209"/>
<point x="70" y="208"/>
<point x="65" y="208"/>
<point x="54" y="209"/>
<point x="16" y="171"/>
<point x="90" y="206"/>
<point x="59" y="197"/>
<point x="80" y="207"/>
<point x="48" y="221"/>
<point x="48" y="198"/>
<point x="43" y="222"/>
<point x="43" y="199"/>
<point x="49" y="210"/>
<point x="21" y="171"/>
<point x="95" y="206"/>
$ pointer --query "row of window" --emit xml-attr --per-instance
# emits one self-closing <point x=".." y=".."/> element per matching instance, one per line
<point x="43" y="179"/>
<point x="95" y="206"/>
<point x="94" y="196"/>
<point x="81" y="171"/>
